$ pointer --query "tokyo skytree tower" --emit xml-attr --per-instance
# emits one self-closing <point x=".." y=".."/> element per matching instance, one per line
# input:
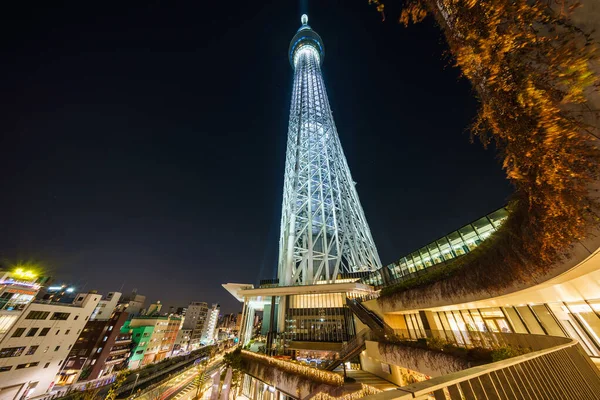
<point x="324" y="232"/>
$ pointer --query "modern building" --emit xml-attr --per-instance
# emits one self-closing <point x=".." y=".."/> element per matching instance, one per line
<point x="194" y="320"/>
<point x="325" y="244"/>
<point x="153" y="338"/>
<point x="106" y="306"/>
<point x="209" y="331"/>
<point x="100" y="349"/>
<point x="34" y="349"/>
<point x="140" y="337"/>
<point x="18" y="288"/>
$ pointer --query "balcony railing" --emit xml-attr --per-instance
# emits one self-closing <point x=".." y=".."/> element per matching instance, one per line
<point x="562" y="371"/>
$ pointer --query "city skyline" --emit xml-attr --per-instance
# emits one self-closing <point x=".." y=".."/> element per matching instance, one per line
<point x="137" y="196"/>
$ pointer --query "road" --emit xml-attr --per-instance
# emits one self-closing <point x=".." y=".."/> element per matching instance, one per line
<point x="182" y="386"/>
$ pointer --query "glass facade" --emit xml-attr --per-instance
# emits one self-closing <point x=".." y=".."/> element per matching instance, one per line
<point x="453" y="245"/>
<point x="318" y="318"/>
<point x="579" y="320"/>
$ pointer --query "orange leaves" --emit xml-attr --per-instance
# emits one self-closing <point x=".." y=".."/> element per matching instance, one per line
<point x="531" y="69"/>
<point x="413" y="12"/>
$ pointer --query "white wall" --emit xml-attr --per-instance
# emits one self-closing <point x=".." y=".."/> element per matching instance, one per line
<point x="52" y="350"/>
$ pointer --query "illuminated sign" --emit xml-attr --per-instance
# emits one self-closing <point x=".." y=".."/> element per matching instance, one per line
<point x="21" y="273"/>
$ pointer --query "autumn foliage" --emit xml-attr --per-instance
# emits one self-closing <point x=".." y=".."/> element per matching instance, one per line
<point x="532" y="71"/>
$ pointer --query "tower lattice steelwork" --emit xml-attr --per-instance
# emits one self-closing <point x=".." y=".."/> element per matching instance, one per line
<point x="324" y="232"/>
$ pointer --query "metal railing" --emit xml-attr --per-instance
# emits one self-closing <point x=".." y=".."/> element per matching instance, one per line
<point x="472" y="339"/>
<point x="560" y="372"/>
<point x="350" y="349"/>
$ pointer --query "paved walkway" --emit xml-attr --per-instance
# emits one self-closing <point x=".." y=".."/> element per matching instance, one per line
<point x="369" y="379"/>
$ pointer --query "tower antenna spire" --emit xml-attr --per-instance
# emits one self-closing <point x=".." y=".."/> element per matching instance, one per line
<point x="324" y="233"/>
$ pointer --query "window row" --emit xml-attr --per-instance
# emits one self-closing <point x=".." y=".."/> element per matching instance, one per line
<point x="17" y="351"/>
<point x="22" y="366"/>
<point x="59" y="316"/>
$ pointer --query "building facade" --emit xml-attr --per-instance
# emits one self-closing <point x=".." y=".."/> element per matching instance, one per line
<point x="209" y="331"/>
<point x="153" y="337"/>
<point x="194" y="320"/>
<point x="100" y="350"/>
<point x="35" y="348"/>
<point x="106" y="306"/>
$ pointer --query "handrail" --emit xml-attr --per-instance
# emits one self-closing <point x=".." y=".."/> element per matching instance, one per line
<point x="562" y="372"/>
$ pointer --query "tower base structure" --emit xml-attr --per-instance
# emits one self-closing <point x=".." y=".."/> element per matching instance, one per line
<point x="311" y="323"/>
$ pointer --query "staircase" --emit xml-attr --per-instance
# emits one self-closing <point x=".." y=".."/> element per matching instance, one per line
<point x="379" y="328"/>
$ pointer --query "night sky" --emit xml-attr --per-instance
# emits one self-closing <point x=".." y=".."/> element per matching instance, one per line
<point x="143" y="144"/>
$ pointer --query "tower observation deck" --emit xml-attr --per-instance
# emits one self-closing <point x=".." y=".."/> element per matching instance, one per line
<point x="324" y="233"/>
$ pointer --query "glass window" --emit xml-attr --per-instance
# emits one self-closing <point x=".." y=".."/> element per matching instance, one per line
<point x="31" y="350"/>
<point x="498" y="217"/>
<point x="587" y="318"/>
<point x="44" y="332"/>
<point x="530" y="321"/>
<point x="458" y="245"/>
<point x="37" y="315"/>
<point x="547" y="320"/>
<point x="417" y="260"/>
<point x="469" y="236"/>
<point x="18" y="332"/>
<point x="484" y="227"/>
<point x="436" y="256"/>
<point x="425" y="257"/>
<point x="11" y="351"/>
<point x="32" y="332"/>
<point x="28" y="365"/>
<point x="60" y="316"/>
<point x="481" y="326"/>
<point x="514" y="320"/>
<point x="445" y="249"/>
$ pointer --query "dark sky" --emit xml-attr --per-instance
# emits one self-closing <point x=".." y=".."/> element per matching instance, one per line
<point x="142" y="144"/>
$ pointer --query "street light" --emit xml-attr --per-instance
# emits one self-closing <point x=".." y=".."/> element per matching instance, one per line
<point x="137" y="376"/>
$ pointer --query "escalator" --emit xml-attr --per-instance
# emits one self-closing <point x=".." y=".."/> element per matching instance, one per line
<point x="376" y="329"/>
<point x="351" y="349"/>
<point x="380" y="329"/>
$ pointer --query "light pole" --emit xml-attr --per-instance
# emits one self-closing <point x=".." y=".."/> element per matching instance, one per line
<point x="137" y="376"/>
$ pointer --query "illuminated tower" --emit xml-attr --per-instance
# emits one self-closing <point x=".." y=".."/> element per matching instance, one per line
<point x="324" y="233"/>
